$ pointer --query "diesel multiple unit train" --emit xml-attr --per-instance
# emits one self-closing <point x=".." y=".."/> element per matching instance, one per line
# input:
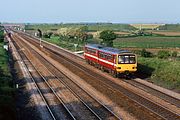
<point x="116" y="61"/>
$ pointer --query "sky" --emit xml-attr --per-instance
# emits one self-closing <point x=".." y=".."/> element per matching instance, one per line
<point x="75" y="11"/>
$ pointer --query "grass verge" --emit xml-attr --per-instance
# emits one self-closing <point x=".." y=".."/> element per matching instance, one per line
<point x="162" y="72"/>
<point x="7" y="102"/>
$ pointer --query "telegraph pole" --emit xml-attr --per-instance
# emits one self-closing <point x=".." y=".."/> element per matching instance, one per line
<point x="40" y="36"/>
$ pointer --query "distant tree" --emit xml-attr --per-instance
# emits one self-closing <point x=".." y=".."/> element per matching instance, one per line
<point x="63" y="31"/>
<point x="73" y="33"/>
<point x="84" y="28"/>
<point x="108" y="36"/>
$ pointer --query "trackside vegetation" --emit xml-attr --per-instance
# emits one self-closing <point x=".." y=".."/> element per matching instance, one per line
<point x="7" y="103"/>
<point x="161" y="71"/>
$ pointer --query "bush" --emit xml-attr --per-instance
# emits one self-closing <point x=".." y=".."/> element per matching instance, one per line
<point x="174" y="54"/>
<point x="163" y="54"/>
<point x="47" y="34"/>
<point x="145" y="53"/>
<point x="1" y="36"/>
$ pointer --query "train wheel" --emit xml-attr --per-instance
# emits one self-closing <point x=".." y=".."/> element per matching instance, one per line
<point x="99" y="67"/>
<point x="102" y="68"/>
<point x="87" y="61"/>
<point x="114" y="73"/>
<point x="96" y="65"/>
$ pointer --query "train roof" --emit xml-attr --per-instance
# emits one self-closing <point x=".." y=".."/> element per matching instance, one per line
<point x="107" y="49"/>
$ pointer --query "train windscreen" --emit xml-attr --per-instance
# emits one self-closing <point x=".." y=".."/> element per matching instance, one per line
<point x="126" y="59"/>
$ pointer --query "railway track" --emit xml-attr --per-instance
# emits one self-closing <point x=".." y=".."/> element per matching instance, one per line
<point x="43" y="89"/>
<point x="98" y="109"/>
<point x="155" y="92"/>
<point x="36" y="89"/>
<point x="153" y="107"/>
<point x="22" y="59"/>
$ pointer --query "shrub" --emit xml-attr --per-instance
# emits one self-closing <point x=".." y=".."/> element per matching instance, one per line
<point x="174" y="54"/>
<point x="1" y="36"/>
<point x="47" y="34"/>
<point x="163" y="54"/>
<point x="145" y="53"/>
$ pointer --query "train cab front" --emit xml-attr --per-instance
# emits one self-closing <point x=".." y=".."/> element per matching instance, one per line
<point x="126" y="63"/>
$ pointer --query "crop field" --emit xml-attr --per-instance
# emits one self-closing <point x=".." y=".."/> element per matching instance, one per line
<point x="146" y="26"/>
<point x="170" y="27"/>
<point x="122" y="33"/>
<point x="166" y="33"/>
<point x="148" y="42"/>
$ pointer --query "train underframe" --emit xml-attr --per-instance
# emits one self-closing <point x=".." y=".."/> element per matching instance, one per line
<point x="113" y="72"/>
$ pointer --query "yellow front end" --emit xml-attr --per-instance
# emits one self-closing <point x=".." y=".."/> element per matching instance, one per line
<point x="126" y="67"/>
<point x="121" y="68"/>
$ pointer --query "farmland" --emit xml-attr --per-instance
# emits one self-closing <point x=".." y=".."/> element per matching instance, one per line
<point x="90" y="27"/>
<point x="170" y="27"/>
<point x="148" y="42"/>
<point x="146" y="26"/>
<point x="166" y="33"/>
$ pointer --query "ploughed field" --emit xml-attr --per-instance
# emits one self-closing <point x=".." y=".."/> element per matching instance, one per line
<point x="166" y="33"/>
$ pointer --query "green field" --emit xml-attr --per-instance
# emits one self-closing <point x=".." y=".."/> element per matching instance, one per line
<point x="65" y="44"/>
<point x="148" y="42"/>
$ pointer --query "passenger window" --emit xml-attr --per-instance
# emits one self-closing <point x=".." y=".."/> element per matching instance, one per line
<point x="126" y="59"/>
<point x="132" y="59"/>
<point x="121" y="59"/>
